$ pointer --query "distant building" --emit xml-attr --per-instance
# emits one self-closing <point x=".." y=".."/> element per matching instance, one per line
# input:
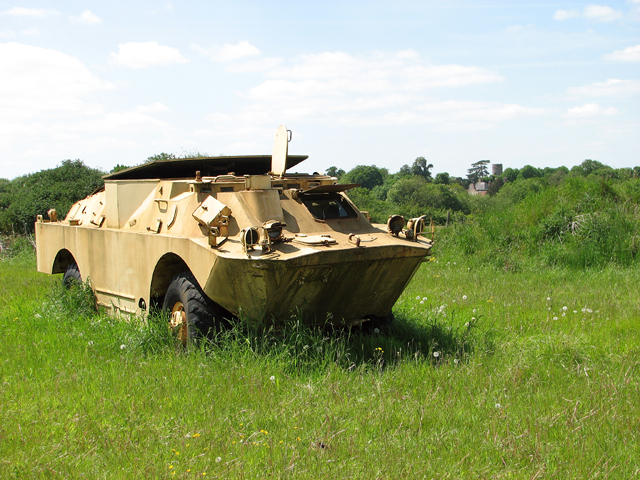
<point x="496" y="169"/>
<point x="479" y="188"/>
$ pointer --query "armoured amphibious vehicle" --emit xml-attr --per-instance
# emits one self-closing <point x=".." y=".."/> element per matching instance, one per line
<point x="207" y="238"/>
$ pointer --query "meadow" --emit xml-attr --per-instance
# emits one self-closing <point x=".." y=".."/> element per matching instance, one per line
<point x="487" y="372"/>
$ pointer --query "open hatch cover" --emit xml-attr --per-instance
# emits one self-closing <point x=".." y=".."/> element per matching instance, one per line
<point x="208" y="167"/>
<point x="330" y="188"/>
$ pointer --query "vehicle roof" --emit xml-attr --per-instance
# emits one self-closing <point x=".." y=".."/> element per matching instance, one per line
<point x="208" y="167"/>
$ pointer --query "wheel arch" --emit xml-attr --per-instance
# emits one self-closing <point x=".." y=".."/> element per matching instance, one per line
<point x="63" y="259"/>
<point x="167" y="267"/>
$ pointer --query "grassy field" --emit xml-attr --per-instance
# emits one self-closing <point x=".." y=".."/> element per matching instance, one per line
<point x="486" y="373"/>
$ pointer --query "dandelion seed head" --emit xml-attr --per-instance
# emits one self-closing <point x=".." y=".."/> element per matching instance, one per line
<point x="555" y="318"/>
<point x="218" y="459"/>
<point x="474" y="310"/>
<point x="424" y="299"/>
<point x="436" y="354"/>
<point x="272" y="378"/>
<point x="456" y="361"/>
<point x="548" y="299"/>
<point x="421" y="302"/>
<point x="376" y="331"/>
<point x="565" y="308"/>
<point x="498" y="405"/>
<point x="123" y="346"/>
<point x="418" y="297"/>
<point x="464" y="297"/>
<point x="90" y="342"/>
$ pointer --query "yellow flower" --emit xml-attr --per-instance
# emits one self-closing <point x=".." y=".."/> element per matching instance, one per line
<point x="195" y="435"/>
<point x="170" y="467"/>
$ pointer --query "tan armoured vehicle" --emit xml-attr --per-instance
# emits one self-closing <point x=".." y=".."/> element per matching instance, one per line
<point x="207" y="238"/>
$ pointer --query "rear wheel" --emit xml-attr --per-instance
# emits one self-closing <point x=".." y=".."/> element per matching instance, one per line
<point x="72" y="276"/>
<point x="192" y="313"/>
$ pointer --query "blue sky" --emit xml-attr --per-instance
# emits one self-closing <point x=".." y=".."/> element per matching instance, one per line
<point x="375" y="82"/>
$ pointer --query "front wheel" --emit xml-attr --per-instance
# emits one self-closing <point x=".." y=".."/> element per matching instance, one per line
<point x="192" y="313"/>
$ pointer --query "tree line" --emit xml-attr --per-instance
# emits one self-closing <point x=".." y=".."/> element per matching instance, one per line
<point x="412" y="191"/>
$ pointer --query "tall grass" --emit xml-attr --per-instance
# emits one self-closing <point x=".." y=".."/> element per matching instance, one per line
<point x="483" y="374"/>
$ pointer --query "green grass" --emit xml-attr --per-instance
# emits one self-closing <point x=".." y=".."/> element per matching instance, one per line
<point x="480" y="377"/>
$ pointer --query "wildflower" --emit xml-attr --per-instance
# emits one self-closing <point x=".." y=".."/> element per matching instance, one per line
<point x="436" y="354"/>
<point x="306" y="347"/>
<point x="555" y="318"/>
<point x="170" y="467"/>
<point x="272" y="378"/>
<point x="467" y="323"/>
<point x="196" y="435"/>
<point x="498" y="405"/>
<point x="421" y="302"/>
<point x="454" y="263"/>
<point x="575" y="311"/>
<point x="418" y="297"/>
<point x="123" y="346"/>
<point x="378" y="349"/>
<point x="456" y="361"/>
<point x="376" y="331"/>
<point x="424" y="299"/>
<point x="90" y="342"/>
<point x="37" y="315"/>
<point x="218" y="459"/>
<point x="474" y="310"/>
<point x="464" y="297"/>
<point x="564" y="308"/>
<point x="548" y="299"/>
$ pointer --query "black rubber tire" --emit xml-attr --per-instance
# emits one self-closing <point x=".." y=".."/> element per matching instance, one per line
<point x="185" y="297"/>
<point x="71" y="276"/>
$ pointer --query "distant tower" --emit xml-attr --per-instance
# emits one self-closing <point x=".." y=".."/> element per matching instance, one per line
<point x="496" y="169"/>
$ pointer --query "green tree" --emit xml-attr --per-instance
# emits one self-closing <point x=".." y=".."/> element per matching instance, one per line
<point x="529" y="171"/>
<point x="421" y="168"/>
<point x="161" y="156"/>
<point x="442" y="178"/>
<point x="368" y="176"/>
<point x="478" y="170"/>
<point x="335" y="172"/>
<point x="59" y="188"/>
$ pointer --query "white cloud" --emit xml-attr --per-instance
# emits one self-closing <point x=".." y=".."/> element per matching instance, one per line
<point x="155" y="107"/>
<point x="629" y="54"/>
<point x="599" y="13"/>
<point x="230" y="52"/>
<point x="590" y="110"/>
<point x="373" y="90"/>
<point x="145" y="54"/>
<point x="565" y="14"/>
<point x="28" y="12"/>
<point x="262" y="65"/>
<point x="612" y="87"/>
<point x="36" y="81"/>
<point x="86" y="17"/>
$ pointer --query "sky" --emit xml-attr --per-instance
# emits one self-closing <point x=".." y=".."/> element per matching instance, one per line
<point x="358" y="82"/>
